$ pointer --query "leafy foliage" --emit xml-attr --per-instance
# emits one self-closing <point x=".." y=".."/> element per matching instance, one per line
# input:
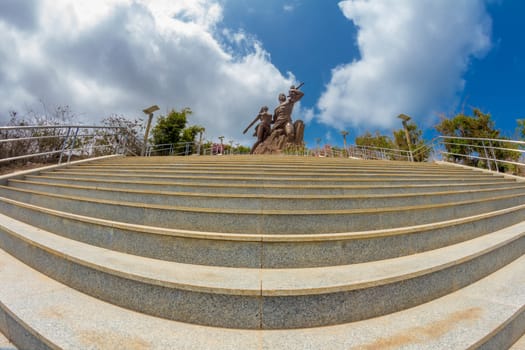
<point x="172" y="130"/>
<point x="417" y="143"/>
<point x="54" y="134"/>
<point x="128" y="135"/>
<point x="479" y="125"/>
<point x="41" y="140"/>
<point x="169" y="128"/>
<point x="376" y="140"/>
<point x="521" y="127"/>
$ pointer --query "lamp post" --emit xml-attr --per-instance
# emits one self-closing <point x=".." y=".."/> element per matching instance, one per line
<point x="344" y="133"/>
<point x="199" y="146"/>
<point x="222" y="147"/>
<point x="405" y="118"/>
<point x="318" y="141"/>
<point x="149" y="111"/>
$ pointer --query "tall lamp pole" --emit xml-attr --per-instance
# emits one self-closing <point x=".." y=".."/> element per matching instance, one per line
<point x="405" y="118"/>
<point x="344" y="133"/>
<point x="149" y="111"/>
<point x="222" y="147"/>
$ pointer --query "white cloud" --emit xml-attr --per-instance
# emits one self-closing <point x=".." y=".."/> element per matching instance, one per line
<point x="119" y="56"/>
<point x="413" y="55"/>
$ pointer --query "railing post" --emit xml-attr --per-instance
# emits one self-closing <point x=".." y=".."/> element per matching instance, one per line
<point x="125" y="143"/>
<point x="494" y="156"/>
<point x="486" y="155"/>
<point x="72" y="145"/>
<point x="64" y="145"/>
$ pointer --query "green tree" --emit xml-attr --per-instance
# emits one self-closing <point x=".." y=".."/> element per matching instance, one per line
<point x="243" y="149"/>
<point x="377" y="140"/>
<point x="420" y="151"/>
<point x="169" y="129"/>
<point x="189" y="136"/>
<point x="521" y="127"/>
<point x="377" y="145"/>
<point x="173" y="130"/>
<point x="469" y="152"/>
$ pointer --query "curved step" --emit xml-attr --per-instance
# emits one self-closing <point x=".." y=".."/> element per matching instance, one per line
<point x="260" y="251"/>
<point x="270" y="202"/>
<point x="261" y="221"/>
<point x="44" y="314"/>
<point x="290" y="180"/>
<point x="319" y="189"/>
<point x="261" y="298"/>
<point x="220" y="170"/>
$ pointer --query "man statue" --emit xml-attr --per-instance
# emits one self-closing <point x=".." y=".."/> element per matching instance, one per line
<point x="282" y="116"/>
<point x="262" y="131"/>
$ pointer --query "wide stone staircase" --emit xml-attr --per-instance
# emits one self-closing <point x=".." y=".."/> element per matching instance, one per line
<point x="261" y="252"/>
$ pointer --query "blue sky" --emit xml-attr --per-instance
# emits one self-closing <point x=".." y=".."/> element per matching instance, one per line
<point x="363" y="62"/>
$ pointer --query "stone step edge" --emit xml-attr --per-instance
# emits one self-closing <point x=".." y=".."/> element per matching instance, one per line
<point x="22" y="173"/>
<point x="520" y="343"/>
<point x="260" y="282"/>
<point x="220" y="169"/>
<point x="251" y="237"/>
<point x="15" y="328"/>
<point x="274" y="180"/>
<point x="482" y="170"/>
<point x="82" y="314"/>
<point x="324" y="197"/>
<point x="269" y="162"/>
<point x="240" y="211"/>
<point x="276" y="186"/>
<point x="272" y="176"/>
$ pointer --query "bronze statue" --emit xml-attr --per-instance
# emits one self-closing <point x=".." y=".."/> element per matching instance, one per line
<point x="263" y="129"/>
<point x="282" y="116"/>
<point x="284" y="134"/>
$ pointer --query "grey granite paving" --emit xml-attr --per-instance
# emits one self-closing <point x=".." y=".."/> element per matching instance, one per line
<point x="6" y="344"/>
<point x="72" y="320"/>
<point x="519" y="345"/>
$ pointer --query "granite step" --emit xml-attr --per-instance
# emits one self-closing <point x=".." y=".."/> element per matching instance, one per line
<point x="261" y="298"/>
<point x="254" y="170"/>
<point x="39" y="313"/>
<point x="319" y="189"/>
<point x="519" y="345"/>
<point x="327" y="174"/>
<point x="263" y="221"/>
<point x="5" y="344"/>
<point x="291" y="180"/>
<point x="270" y="202"/>
<point x="260" y="251"/>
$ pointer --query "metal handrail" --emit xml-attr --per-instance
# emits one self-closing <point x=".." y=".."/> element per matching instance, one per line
<point x="29" y="127"/>
<point x="65" y="144"/>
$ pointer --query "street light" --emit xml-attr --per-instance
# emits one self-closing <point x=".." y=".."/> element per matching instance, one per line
<point x="222" y="147"/>
<point x="149" y="111"/>
<point x="405" y="118"/>
<point x="344" y="133"/>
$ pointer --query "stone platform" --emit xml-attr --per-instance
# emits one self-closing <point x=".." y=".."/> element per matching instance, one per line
<point x="261" y="252"/>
